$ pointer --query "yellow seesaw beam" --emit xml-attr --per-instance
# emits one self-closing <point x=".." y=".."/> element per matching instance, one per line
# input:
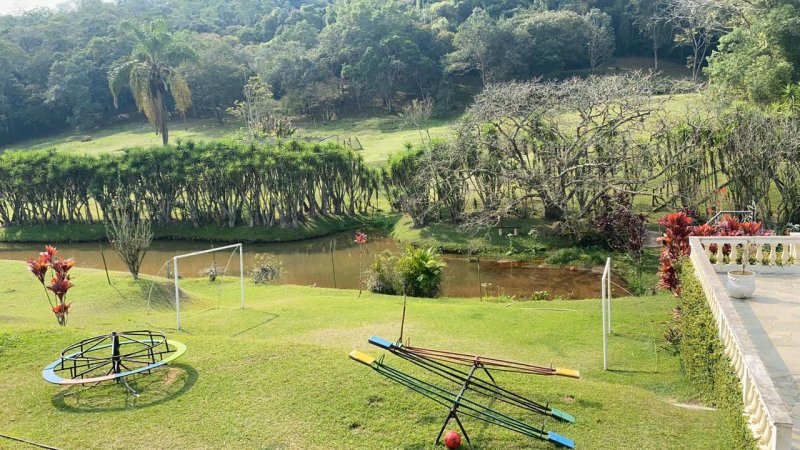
<point x="362" y="357"/>
<point x="571" y="373"/>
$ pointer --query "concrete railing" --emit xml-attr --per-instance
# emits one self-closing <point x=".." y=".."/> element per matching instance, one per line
<point x="768" y="416"/>
<point x="768" y="254"/>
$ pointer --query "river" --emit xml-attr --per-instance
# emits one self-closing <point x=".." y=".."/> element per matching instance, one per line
<point x="308" y="263"/>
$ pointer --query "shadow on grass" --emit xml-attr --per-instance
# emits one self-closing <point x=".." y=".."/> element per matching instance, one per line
<point x="270" y="318"/>
<point x="156" y="388"/>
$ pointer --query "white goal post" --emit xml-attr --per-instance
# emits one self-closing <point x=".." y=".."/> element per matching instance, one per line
<point x="175" y="270"/>
<point x="605" y="302"/>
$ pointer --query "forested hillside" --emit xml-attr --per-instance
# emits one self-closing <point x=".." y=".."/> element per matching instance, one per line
<point x="329" y="58"/>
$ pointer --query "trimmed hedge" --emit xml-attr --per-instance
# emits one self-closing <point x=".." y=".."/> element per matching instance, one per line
<point x="704" y="360"/>
<point x="220" y="183"/>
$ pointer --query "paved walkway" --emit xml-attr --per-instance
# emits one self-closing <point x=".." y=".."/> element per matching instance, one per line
<point x="772" y="318"/>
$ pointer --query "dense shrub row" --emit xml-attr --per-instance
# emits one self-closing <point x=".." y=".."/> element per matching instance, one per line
<point x="219" y="183"/>
<point x="704" y="359"/>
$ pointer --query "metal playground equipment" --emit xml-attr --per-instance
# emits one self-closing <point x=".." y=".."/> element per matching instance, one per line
<point x="112" y="357"/>
<point x="461" y="403"/>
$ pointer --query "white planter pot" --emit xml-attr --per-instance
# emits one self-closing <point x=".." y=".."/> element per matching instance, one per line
<point x="741" y="284"/>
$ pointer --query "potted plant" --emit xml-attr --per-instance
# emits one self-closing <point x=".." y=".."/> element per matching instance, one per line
<point x="793" y="229"/>
<point x="742" y="283"/>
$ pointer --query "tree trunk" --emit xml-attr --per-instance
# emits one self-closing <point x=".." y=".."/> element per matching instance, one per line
<point x="655" y="51"/>
<point x="553" y="212"/>
<point x="163" y="115"/>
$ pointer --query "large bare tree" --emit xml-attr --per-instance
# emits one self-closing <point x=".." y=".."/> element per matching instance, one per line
<point x="564" y="143"/>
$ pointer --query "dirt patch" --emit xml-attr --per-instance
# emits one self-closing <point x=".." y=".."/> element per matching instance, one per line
<point x="172" y="375"/>
<point x="693" y="406"/>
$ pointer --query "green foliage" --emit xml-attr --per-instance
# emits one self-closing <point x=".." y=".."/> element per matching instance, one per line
<point x="218" y="82"/>
<point x="420" y="271"/>
<point x="704" y="359"/>
<point x="481" y="44"/>
<point x="575" y="256"/>
<point x="149" y="72"/>
<point x="217" y="183"/>
<point x="756" y="62"/>
<point x="554" y="40"/>
<point x="322" y="58"/>
<point x="382" y="277"/>
<point x="405" y="186"/>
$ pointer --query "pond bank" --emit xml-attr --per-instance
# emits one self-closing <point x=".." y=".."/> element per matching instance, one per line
<point x="311" y="229"/>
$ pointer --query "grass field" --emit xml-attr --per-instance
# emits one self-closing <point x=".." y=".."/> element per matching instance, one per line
<point x="276" y="374"/>
<point x="380" y="136"/>
<point x="131" y="134"/>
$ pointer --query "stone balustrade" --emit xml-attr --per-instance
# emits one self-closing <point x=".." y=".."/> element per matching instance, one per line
<point x="767" y="254"/>
<point x="768" y="416"/>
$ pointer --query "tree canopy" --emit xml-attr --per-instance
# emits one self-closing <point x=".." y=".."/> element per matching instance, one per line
<point x="328" y="58"/>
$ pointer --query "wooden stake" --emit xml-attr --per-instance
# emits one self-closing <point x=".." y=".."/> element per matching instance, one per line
<point x="333" y="265"/>
<point x="103" y="255"/>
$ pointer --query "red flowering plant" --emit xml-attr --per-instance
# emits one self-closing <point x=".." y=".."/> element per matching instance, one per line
<point x="675" y="245"/>
<point x="60" y="283"/>
<point x="360" y="239"/>
<point x="675" y="241"/>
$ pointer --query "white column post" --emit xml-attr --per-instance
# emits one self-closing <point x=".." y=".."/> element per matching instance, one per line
<point x="608" y="293"/>
<point x="241" y="274"/>
<point x="177" y="293"/>
<point x="603" y="307"/>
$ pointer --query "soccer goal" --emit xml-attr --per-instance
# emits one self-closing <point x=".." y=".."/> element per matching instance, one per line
<point x="605" y="302"/>
<point x="175" y="259"/>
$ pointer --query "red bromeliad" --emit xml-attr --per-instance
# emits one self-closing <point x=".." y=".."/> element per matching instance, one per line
<point x="38" y="267"/>
<point x="59" y="284"/>
<point x="62" y="266"/>
<point x="61" y="308"/>
<point x="361" y="238"/>
<point x="675" y="241"/>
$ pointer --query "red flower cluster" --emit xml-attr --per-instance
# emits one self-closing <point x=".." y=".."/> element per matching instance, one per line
<point x="59" y="284"/>
<point x="361" y="238"/>
<point x="675" y="241"/>
<point x="61" y="308"/>
<point x="39" y="267"/>
<point x="62" y="266"/>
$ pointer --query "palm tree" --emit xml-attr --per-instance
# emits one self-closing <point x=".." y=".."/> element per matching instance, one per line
<point x="149" y="71"/>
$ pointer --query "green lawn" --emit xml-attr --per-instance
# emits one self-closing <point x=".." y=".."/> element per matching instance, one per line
<point x="380" y="136"/>
<point x="132" y="134"/>
<point x="276" y="374"/>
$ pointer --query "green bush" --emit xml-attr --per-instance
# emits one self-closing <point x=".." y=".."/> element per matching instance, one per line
<point x="704" y="359"/>
<point x="421" y="272"/>
<point x="382" y="277"/>
<point x="574" y="256"/>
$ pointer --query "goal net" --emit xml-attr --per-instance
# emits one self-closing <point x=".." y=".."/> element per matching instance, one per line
<point x="175" y="264"/>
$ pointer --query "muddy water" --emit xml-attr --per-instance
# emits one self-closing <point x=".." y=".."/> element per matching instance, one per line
<point x="309" y="263"/>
